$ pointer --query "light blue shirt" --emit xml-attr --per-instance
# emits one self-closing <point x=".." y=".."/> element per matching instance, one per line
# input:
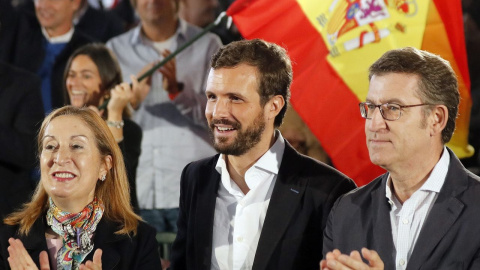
<point x="174" y="132"/>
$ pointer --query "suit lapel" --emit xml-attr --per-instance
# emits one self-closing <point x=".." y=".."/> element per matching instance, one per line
<point x="382" y="228"/>
<point x="206" y="189"/>
<point x="35" y="242"/>
<point x="444" y="213"/>
<point x="286" y="196"/>
<point x="104" y="237"/>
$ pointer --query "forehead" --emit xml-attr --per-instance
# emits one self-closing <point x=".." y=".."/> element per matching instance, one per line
<point x="243" y="78"/>
<point x="67" y="126"/>
<point x="83" y="61"/>
<point x="393" y="87"/>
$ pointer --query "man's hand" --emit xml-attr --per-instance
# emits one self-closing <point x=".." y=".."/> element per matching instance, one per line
<point x="19" y="259"/>
<point x="96" y="264"/>
<point x="141" y="89"/>
<point x="336" y="261"/>
<point x="169" y="72"/>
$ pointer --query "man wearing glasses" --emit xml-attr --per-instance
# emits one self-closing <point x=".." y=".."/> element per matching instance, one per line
<point x="424" y="212"/>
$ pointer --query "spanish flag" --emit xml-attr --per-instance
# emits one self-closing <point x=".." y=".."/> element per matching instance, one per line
<point x="333" y="42"/>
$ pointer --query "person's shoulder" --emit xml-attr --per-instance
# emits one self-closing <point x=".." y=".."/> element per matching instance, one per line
<point x="192" y="30"/>
<point x="201" y="165"/>
<point x="14" y="71"/>
<point x="145" y="229"/>
<point x="365" y="192"/>
<point x="80" y="38"/>
<point x="122" y="39"/>
<point x="310" y="167"/>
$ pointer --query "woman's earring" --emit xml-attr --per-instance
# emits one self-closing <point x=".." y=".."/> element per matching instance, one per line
<point x="103" y="177"/>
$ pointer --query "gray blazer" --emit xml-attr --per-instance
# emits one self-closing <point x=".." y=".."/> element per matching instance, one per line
<point x="449" y="238"/>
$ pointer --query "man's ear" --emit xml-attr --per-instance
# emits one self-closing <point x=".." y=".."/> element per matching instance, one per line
<point x="439" y="117"/>
<point x="274" y="106"/>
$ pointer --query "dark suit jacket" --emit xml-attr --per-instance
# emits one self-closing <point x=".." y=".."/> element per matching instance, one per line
<point x="119" y="251"/>
<point x="8" y="29"/>
<point x="20" y="117"/>
<point x="100" y="25"/>
<point x="29" y="54"/>
<point x="291" y="237"/>
<point x="449" y="238"/>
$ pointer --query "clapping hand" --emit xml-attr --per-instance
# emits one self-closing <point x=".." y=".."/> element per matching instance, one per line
<point x="19" y="259"/>
<point x="335" y="260"/>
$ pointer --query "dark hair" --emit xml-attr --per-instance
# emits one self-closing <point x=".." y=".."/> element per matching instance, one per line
<point x="273" y="65"/>
<point x="104" y="59"/>
<point x="437" y="81"/>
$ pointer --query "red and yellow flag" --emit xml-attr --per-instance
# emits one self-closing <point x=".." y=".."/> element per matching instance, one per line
<point x="333" y="42"/>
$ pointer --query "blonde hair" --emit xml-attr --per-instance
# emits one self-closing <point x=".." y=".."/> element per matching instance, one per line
<point x="114" y="191"/>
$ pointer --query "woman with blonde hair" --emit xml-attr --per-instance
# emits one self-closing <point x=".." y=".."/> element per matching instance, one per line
<point x="81" y="203"/>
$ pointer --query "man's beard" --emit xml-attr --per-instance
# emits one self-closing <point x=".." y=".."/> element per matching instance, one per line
<point x="244" y="141"/>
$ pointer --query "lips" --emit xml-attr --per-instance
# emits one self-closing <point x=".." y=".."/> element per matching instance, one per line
<point x="63" y="176"/>
<point x="224" y="125"/>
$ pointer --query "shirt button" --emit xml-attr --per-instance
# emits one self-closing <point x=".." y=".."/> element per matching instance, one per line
<point x="405" y="221"/>
<point x="402" y="262"/>
<point x="240" y="239"/>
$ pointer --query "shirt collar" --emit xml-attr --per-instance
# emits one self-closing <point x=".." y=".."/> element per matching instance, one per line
<point x="65" y="38"/>
<point x="137" y="36"/>
<point x="270" y="161"/>
<point x="434" y="182"/>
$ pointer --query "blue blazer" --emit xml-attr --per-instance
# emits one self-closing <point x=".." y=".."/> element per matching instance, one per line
<point x="449" y="238"/>
<point x="291" y="236"/>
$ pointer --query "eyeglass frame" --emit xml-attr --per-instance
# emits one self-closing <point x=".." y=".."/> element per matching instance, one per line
<point x="379" y="106"/>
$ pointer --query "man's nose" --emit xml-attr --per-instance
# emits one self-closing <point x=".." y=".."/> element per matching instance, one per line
<point x="376" y="122"/>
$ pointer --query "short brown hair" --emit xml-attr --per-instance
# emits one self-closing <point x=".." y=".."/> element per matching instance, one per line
<point x="437" y="85"/>
<point x="114" y="191"/>
<point x="272" y="63"/>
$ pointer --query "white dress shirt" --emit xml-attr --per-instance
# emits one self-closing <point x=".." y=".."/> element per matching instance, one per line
<point x="407" y="219"/>
<point x="239" y="217"/>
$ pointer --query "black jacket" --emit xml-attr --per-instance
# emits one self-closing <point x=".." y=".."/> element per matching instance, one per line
<point x="292" y="233"/>
<point x="126" y="252"/>
<point x="20" y="118"/>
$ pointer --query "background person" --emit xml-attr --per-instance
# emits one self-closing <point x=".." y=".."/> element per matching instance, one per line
<point x="22" y="113"/>
<point x="92" y="75"/>
<point x="81" y="203"/>
<point x="171" y="111"/>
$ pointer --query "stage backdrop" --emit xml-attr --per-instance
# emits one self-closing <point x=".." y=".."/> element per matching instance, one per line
<point x="333" y="42"/>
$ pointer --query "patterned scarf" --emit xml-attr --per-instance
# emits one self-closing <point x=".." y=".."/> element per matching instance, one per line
<point x="77" y="231"/>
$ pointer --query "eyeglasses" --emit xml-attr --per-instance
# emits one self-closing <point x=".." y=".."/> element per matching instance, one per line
<point x="389" y="111"/>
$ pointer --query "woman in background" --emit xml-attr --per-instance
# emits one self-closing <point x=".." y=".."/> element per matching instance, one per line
<point x="93" y="75"/>
<point x="81" y="204"/>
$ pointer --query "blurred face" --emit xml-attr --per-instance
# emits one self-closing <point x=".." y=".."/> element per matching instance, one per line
<point x="56" y="15"/>
<point x="402" y="142"/>
<point x="199" y="12"/>
<point x="70" y="163"/>
<point x="234" y="114"/>
<point x="155" y="11"/>
<point x="83" y="82"/>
